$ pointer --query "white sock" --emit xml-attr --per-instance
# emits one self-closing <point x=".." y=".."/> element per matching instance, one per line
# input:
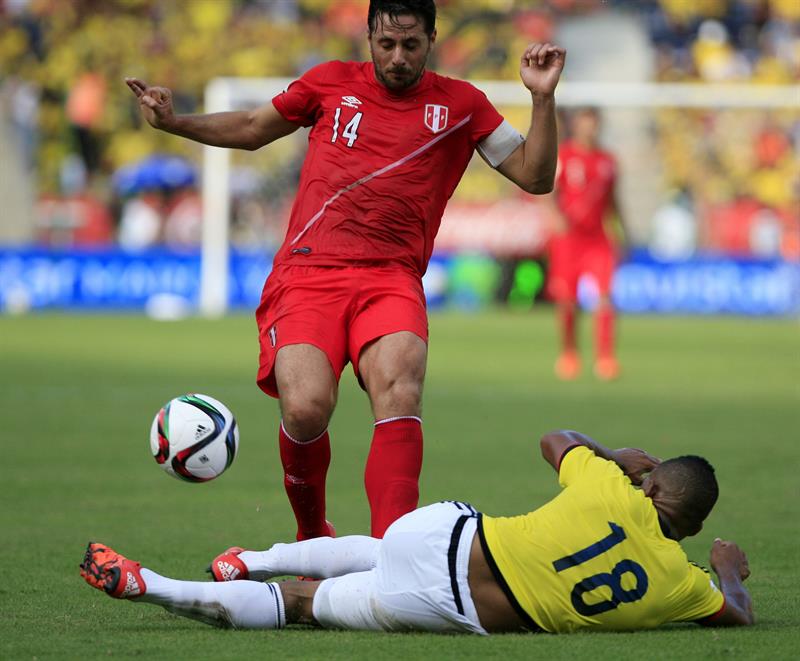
<point x="321" y="557"/>
<point x="237" y="604"/>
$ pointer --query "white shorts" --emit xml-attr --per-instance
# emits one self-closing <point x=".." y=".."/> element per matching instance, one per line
<point x="419" y="582"/>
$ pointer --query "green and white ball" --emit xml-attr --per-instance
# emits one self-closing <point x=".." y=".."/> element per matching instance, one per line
<point x="194" y="438"/>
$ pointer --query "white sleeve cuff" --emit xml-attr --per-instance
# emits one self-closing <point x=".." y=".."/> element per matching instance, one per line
<point x="500" y="143"/>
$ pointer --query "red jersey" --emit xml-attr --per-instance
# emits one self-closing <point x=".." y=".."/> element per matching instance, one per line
<point x="585" y="187"/>
<point x="380" y="166"/>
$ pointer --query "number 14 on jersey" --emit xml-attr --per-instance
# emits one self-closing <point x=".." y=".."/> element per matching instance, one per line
<point x="350" y="131"/>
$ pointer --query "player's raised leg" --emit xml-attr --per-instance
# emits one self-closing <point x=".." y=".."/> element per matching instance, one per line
<point x="345" y="602"/>
<point x="322" y="557"/>
<point x="307" y="389"/>
<point x="240" y="604"/>
<point x="393" y="371"/>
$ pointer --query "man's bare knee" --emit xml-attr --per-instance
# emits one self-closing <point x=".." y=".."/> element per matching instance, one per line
<point x="393" y="371"/>
<point x="398" y="396"/>
<point x="305" y="416"/>
<point x="307" y="389"/>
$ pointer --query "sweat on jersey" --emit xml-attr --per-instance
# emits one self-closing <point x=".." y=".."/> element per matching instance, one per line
<point x="595" y="557"/>
<point x="381" y="165"/>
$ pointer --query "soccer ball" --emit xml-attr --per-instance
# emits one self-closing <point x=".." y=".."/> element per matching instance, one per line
<point x="194" y="438"/>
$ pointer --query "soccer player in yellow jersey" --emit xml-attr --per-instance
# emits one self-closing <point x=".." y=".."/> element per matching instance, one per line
<point x="603" y="554"/>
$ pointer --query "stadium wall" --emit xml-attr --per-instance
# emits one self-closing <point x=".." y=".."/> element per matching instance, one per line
<point x="166" y="284"/>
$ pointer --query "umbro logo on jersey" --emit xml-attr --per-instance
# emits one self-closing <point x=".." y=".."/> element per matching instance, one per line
<point x="436" y="117"/>
<point x="350" y="101"/>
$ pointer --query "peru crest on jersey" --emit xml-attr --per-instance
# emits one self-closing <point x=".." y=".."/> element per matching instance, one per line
<point x="436" y="117"/>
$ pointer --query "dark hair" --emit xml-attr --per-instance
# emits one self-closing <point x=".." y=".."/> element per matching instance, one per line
<point x="693" y="481"/>
<point x="424" y="10"/>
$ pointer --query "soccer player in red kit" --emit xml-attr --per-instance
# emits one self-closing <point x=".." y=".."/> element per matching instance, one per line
<point x="389" y="142"/>
<point x="585" y="201"/>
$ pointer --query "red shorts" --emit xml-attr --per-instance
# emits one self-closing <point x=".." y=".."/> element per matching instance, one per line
<point x="571" y="257"/>
<point x="338" y="310"/>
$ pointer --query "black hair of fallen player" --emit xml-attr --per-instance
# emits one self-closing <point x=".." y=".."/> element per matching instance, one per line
<point x="424" y="10"/>
<point x="693" y="477"/>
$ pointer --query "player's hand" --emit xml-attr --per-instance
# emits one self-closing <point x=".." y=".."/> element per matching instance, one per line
<point x="635" y="463"/>
<point x="728" y="556"/>
<point x="540" y="67"/>
<point x="154" y="102"/>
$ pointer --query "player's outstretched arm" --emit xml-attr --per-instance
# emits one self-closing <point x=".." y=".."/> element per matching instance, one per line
<point x="532" y="166"/>
<point x="244" y="129"/>
<point x="730" y="564"/>
<point x="633" y="461"/>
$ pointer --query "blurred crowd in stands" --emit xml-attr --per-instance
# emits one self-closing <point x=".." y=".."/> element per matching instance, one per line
<point x="62" y="64"/>
<point x="736" y="169"/>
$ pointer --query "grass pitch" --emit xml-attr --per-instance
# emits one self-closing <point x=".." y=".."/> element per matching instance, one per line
<point x="78" y="394"/>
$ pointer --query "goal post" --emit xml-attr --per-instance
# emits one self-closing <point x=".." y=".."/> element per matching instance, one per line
<point x="223" y="94"/>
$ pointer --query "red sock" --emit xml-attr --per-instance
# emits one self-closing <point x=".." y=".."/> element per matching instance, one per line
<point x="305" y="465"/>
<point x="567" y="315"/>
<point x="604" y="332"/>
<point x="392" y="473"/>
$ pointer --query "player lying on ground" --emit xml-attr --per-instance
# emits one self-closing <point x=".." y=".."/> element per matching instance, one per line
<point x="603" y="554"/>
<point x="389" y="141"/>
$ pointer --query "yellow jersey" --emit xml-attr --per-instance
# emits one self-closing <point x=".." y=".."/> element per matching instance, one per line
<point x="595" y="556"/>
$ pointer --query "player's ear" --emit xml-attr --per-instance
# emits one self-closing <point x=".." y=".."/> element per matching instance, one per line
<point x="432" y="38"/>
<point x="649" y="487"/>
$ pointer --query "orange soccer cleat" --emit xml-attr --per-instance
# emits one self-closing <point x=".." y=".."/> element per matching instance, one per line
<point x="568" y="366"/>
<point x="606" y="368"/>
<point x="105" y="569"/>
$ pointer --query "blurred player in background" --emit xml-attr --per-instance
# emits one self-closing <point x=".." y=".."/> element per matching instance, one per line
<point x="389" y="142"/>
<point x="603" y="555"/>
<point x="583" y="205"/>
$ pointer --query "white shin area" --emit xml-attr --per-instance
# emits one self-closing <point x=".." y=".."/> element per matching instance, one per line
<point x="236" y="604"/>
<point x="322" y="557"/>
